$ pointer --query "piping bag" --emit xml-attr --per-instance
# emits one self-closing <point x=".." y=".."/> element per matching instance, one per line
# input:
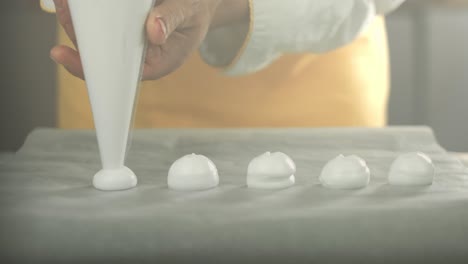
<point x="112" y="42"/>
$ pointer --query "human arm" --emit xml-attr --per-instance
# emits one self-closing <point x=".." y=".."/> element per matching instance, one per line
<point x="278" y="27"/>
<point x="247" y="35"/>
<point x="175" y="28"/>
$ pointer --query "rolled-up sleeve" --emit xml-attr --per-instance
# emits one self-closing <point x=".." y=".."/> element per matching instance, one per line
<point x="278" y="27"/>
<point x="386" y="6"/>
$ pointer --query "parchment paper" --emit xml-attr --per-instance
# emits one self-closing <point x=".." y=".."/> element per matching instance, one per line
<point x="50" y="212"/>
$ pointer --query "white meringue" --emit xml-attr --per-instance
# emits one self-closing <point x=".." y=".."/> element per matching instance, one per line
<point x="115" y="180"/>
<point x="193" y="173"/>
<point x="271" y="171"/>
<point x="350" y="172"/>
<point x="412" y="169"/>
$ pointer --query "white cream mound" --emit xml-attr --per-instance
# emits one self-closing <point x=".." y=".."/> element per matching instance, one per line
<point x="345" y="172"/>
<point x="271" y="171"/>
<point x="193" y="173"/>
<point x="412" y="169"/>
<point x="115" y="180"/>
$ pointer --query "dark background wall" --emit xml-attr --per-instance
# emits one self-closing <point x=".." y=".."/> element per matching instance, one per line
<point x="428" y="43"/>
<point x="27" y="78"/>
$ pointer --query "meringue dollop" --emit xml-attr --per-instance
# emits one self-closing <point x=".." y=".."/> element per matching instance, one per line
<point x="412" y="169"/>
<point x="345" y="172"/>
<point x="271" y="171"/>
<point x="115" y="180"/>
<point x="193" y="173"/>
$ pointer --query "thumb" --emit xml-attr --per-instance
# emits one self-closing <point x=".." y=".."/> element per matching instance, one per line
<point x="164" y="19"/>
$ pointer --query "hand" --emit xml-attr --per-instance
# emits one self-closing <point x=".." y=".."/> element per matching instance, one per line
<point x="175" y="28"/>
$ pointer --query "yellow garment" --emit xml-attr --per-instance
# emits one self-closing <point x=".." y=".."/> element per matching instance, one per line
<point x="348" y="87"/>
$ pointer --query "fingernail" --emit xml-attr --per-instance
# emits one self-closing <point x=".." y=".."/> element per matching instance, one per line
<point x="52" y="58"/>
<point x="163" y="26"/>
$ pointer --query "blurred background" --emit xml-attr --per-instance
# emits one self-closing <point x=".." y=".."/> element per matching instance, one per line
<point x="428" y="43"/>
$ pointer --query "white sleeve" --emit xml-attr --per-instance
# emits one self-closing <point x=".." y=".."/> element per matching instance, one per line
<point x="386" y="6"/>
<point x="279" y="26"/>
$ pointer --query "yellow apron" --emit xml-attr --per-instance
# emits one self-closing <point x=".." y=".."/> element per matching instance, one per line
<point x="347" y="87"/>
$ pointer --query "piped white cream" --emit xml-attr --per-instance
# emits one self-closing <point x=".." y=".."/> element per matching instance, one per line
<point x="111" y="40"/>
<point x="412" y="169"/>
<point x="193" y="173"/>
<point x="271" y="171"/>
<point x="115" y="179"/>
<point x="345" y="172"/>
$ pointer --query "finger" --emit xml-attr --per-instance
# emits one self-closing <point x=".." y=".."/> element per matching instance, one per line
<point x="162" y="60"/>
<point x="64" y="17"/>
<point x="69" y="58"/>
<point x="165" y="18"/>
<point x="153" y="56"/>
